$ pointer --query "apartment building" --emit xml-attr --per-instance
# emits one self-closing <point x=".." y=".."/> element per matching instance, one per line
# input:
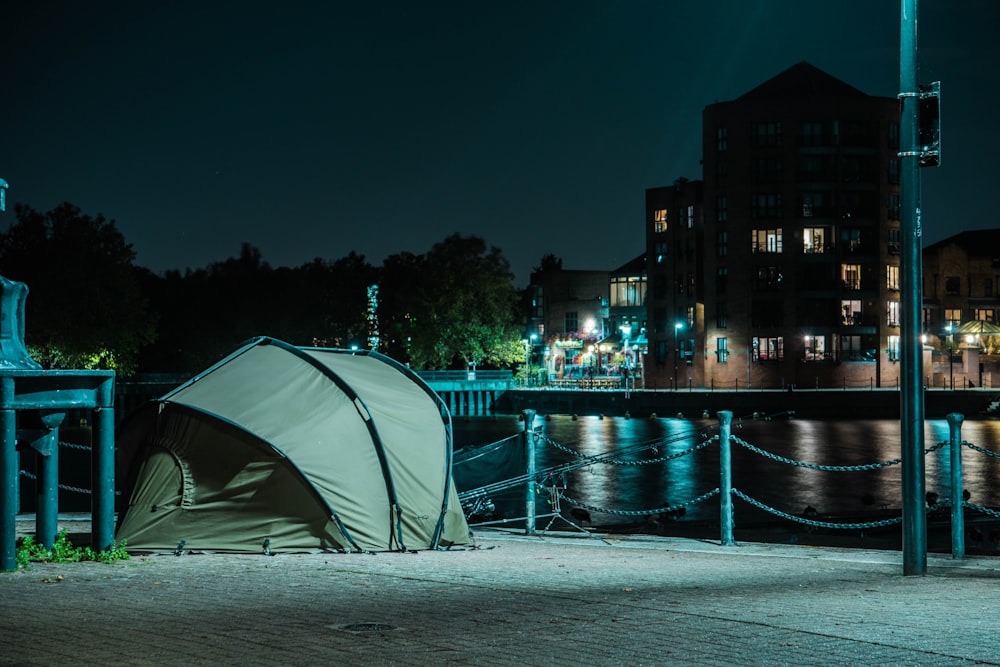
<point x="781" y="265"/>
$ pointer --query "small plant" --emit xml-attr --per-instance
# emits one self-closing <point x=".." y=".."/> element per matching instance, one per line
<point x="63" y="551"/>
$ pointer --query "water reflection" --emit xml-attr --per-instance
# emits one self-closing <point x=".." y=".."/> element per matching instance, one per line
<point x="633" y="488"/>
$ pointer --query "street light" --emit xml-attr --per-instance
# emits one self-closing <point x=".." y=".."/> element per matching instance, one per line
<point x="528" y="342"/>
<point x="951" y="355"/>
<point x="677" y="327"/>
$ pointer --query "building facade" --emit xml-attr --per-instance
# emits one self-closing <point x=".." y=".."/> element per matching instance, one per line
<point x="781" y="266"/>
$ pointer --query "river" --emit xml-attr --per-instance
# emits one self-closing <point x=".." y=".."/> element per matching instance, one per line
<point x="788" y="488"/>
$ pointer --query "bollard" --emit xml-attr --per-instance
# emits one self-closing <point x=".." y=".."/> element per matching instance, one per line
<point x="529" y="455"/>
<point x="725" y="478"/>
<point x="957" y="510"/>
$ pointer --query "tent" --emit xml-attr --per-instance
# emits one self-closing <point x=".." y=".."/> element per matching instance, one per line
<point x="284" y="448"/>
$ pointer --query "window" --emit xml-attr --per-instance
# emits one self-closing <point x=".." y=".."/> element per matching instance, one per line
<point x="812" y="134"/>
<point x="721" y="244"/>
<point x="571" y="321"/>
<point x="767" y="134"/>
<point x="893" y="348"/>
<point x="628" y="291"/>
<point x="984" y="315"/>
<point x="850" y="276"/>
<point x="721" y="209"/>
<point x="766" y="313"/>
<point x="660" y="248"/>
<point x="660" y="220"/>
<point x="893" y="134"/>
<point x="811" y="168"/>
<point x="814" y="240"/>
<point x="894" y="206"/>
<point x="987" y="287"/>
<point x="953" y="316"/>
<point x="893" y="238"/>
<point x="850" y="239"/>
<point x="766" y="170"/>
<point x="721" y="312"/>
<point x="812" y="204"/>
<point x="721" y="171"/>
<point x="850" y="312"/>
<point x="680" y="283"/>
<point x="892" y="313"/>
<point x="850" y="348"/>
<point x="765" y="205"/>
<point x="894" y="171"/>
<point x="892" y="278"/>
<point x="690" y="217"/>
<point x="690" y="321"/>
<point x="660" y="319"/>
<point x="766" y="240"/>
<point x="690" y="284"/>
<point x="721" y="280"/>
<point x="659" y="286"/>
<point x="722" y="349"/>
<point x="768" y="349"/>
<point x="952" y="285"/>
<point x="815" y="348"/>
<point x="721" y="139"/>
<point x="768" y="279"/>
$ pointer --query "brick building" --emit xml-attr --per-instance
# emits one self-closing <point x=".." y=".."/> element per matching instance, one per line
<point x="781" y="265"/>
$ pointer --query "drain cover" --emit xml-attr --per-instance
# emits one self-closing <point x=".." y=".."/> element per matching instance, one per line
<point x="366" y="627"/>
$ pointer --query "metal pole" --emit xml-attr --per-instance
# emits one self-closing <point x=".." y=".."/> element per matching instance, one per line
<point x="725" y="478"/>
<point x="957" y="510"/>
<point x="103" y="474"/>
<point x="911" y="398"/>
<point x="47" y="517"/>
<point x="9" y="479"/>
<point x="529" y="454"/>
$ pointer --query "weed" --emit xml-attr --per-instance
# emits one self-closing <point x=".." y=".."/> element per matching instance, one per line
<point x="63" y="551"/>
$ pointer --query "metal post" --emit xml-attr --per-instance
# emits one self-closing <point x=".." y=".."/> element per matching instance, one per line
<point x="725" y="478"/>
<point x="47" y="517"/>
<point x="529" y="454"/>
<point x="103" y="474"/>
<point x="912" y="398"/>
<point x="9" y="479"/>
<point x="957" y="509"/>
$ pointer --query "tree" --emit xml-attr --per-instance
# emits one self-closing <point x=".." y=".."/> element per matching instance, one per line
<point x="86" y="309"/>
<point x="455" y="305"/>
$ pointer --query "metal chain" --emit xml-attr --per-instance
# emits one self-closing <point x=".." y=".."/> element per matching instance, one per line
<point x="65" y="487"/>
<point x="621" y="462"/>
<point x="980" y="508"/>
<point x="818" y="524"/>
<point x="814" y="466"/>
<point x="73" y="445"/>
<point x="658" y="510"/>
<point x="981" y="450"/>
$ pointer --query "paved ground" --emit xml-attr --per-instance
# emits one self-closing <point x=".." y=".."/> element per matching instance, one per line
<point x="516" y="600"/>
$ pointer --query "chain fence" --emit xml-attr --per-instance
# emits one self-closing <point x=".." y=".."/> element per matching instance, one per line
<point x="64" y="487"/>
<point x="555" y="478"/>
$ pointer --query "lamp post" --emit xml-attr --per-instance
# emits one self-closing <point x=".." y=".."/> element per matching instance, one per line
<point x="951" y="356"/>
<point x="677" y="327"/>
<point x="528" y="343"/>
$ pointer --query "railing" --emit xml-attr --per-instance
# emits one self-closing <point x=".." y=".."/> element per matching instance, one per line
<point x="552" y="481"/>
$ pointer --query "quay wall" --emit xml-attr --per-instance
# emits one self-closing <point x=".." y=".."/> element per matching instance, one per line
<point x="808" y="404"/>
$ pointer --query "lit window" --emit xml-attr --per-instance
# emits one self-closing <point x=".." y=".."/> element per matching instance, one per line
<point x="892" y="278"/>
<point x="814" y="240"/>
<point x="953" y="316"/>
<point x="892" y="313"/>
<point x="850" y="312"/>
<point x="893" y="348"/>
<point x="850" y="276"/>
<point x="766" y="240"/>
<point x="768" y="349"/>
<point x="660" y="220"/>
<point x="722" y="349"/>
<point x="815" y="348"/>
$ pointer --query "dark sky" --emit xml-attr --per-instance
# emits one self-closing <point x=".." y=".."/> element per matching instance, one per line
<point x="314" y="129"/>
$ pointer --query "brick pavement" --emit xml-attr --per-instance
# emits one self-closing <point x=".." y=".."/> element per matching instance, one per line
<point x="515" y="600"/>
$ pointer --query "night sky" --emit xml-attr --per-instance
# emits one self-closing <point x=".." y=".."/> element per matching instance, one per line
<point x="316" y="129"/>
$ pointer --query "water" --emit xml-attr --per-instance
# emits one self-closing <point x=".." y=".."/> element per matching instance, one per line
<point x="787" y="488"/>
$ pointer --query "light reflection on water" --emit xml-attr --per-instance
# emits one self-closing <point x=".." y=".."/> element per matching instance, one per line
<point x="785" y="487"/>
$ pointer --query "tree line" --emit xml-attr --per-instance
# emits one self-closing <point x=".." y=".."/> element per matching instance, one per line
<point x="90" y="306"/>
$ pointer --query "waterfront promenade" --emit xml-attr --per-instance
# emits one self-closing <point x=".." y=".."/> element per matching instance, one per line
<point x="557" y="599"/>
